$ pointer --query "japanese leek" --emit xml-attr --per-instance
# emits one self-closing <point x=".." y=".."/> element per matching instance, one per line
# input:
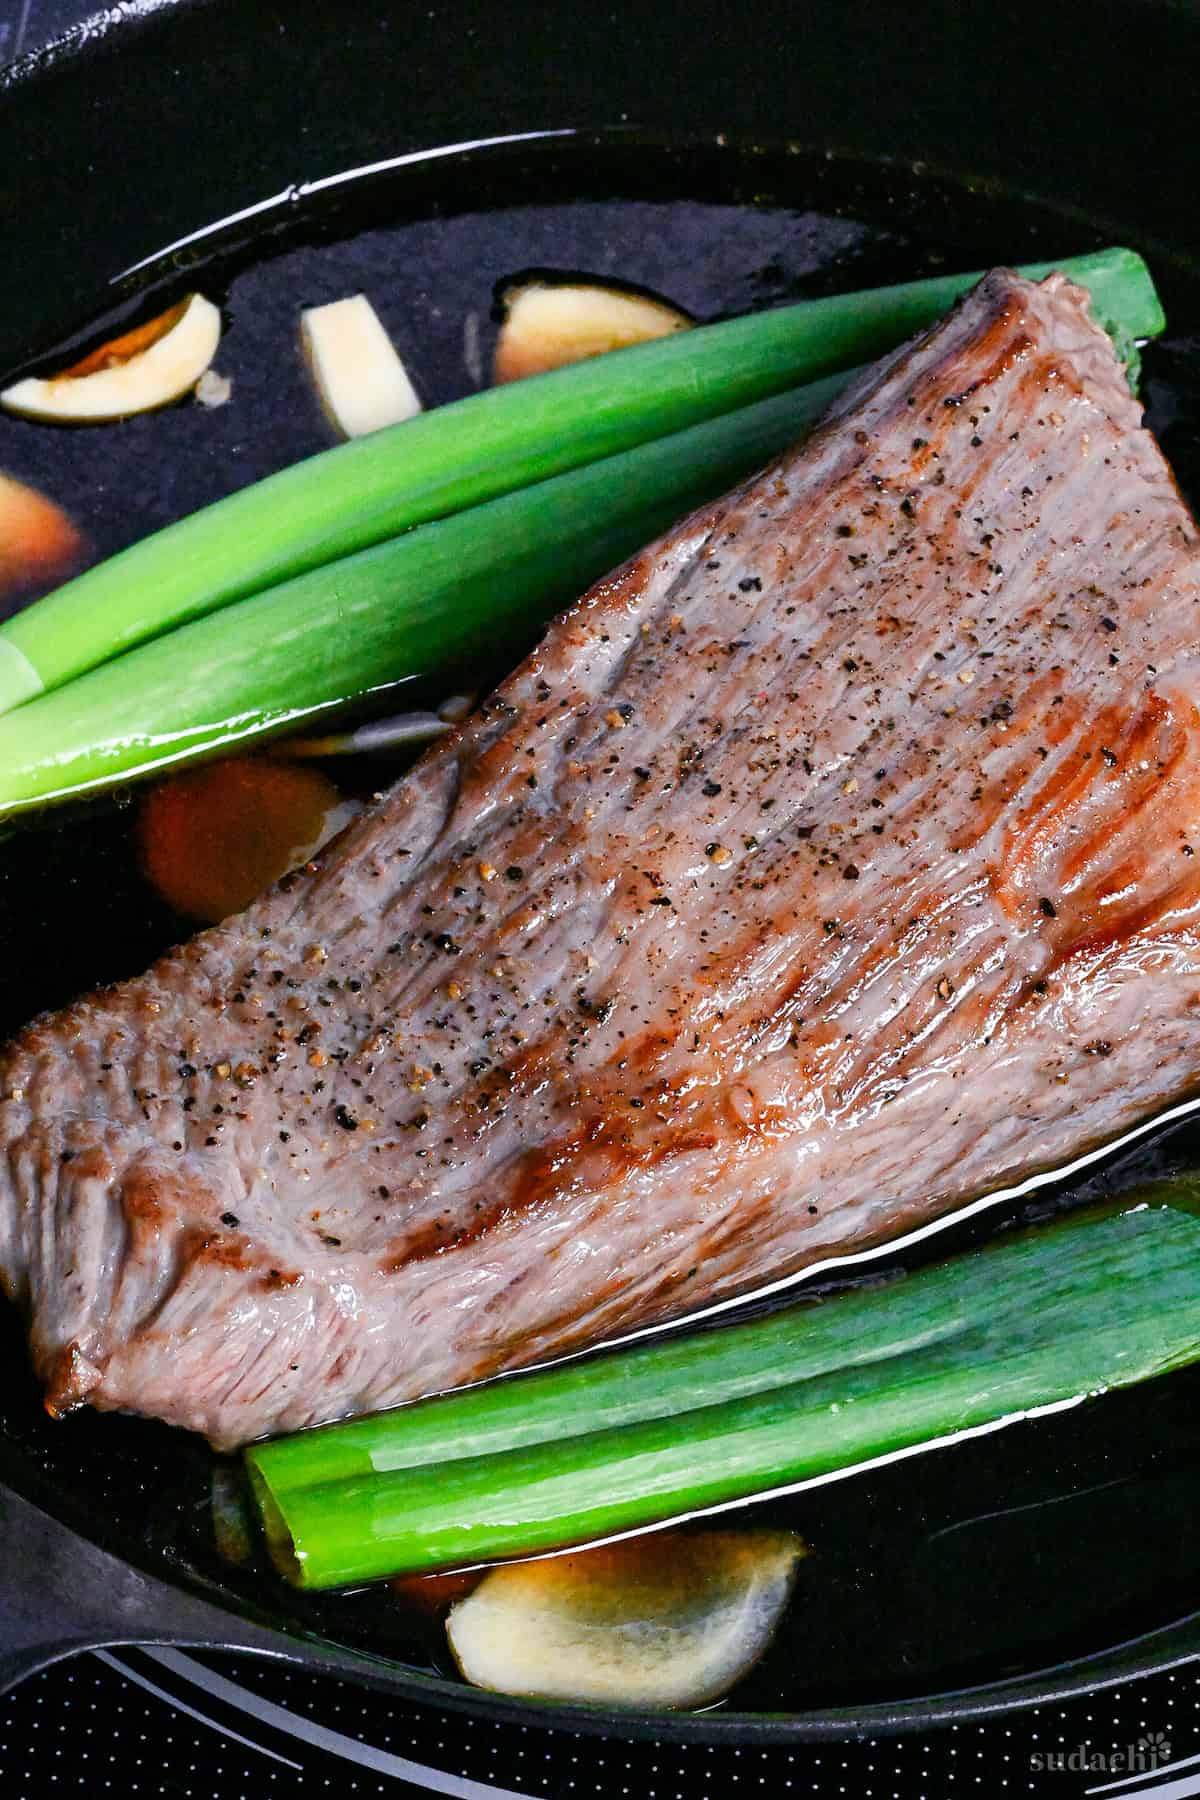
<point x="493" y="443"/>
<point x="1032" y="1321"/>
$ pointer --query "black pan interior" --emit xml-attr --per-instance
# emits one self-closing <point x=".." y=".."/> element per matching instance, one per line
<point x="984" y="1566"/>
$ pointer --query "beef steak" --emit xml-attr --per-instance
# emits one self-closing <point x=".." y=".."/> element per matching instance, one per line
<point x="825" y="865"/>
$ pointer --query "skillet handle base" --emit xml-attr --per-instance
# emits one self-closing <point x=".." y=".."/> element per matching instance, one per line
<point x="60" y="1594"/>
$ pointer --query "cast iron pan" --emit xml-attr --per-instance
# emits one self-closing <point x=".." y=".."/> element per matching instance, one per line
<point x="139" y="131"/>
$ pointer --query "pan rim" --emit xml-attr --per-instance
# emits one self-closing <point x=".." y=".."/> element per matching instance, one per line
<point x="112" y="32"/>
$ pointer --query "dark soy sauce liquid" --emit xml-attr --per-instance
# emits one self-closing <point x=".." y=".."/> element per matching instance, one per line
<point x="1004" y="1554"/>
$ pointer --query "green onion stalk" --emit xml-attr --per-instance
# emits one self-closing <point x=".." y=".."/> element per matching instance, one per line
<point x="475" y="584"/>
<point x="468" y="588"/>
<point x="466" y="454"/>
<point x="688" y="1423"/>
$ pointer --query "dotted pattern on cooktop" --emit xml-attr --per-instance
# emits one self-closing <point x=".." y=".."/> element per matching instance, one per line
<point x="156" y="1723"/>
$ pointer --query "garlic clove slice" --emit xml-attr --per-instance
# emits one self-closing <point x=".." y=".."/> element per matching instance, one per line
<point x="673" y="1619"/>
<point x="144" y="369"/>
<point x="362" y="383"/>
<point x="550" y="324"/>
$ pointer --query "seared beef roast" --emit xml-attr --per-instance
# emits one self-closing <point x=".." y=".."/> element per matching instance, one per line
<point x="824" y="866"/>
